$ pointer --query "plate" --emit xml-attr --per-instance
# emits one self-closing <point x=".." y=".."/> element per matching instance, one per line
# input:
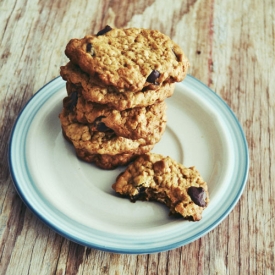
<point x="75" y="198"/>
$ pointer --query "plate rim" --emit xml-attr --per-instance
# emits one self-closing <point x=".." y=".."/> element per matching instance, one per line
<point x="190" y="80"/>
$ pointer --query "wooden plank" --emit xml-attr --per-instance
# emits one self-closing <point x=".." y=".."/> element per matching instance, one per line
<point x="231" y="47"/>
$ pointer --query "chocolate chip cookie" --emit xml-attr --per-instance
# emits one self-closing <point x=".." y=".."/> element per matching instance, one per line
<point x="142" y="122"/>
<point x="96" y="141"/>
<point x="77" y="80"/>
<point x="158" y="178"/>
<point x="109" y="162"/>
<point x="129" y="59"/>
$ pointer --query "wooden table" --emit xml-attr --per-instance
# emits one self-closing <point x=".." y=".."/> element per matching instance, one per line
<point x="231" y="48"/>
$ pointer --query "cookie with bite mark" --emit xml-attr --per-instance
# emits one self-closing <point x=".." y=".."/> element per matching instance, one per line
<point x="154" y="177"/>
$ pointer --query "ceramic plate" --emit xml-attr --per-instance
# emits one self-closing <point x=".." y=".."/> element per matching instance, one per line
<point x="76" y="199"/>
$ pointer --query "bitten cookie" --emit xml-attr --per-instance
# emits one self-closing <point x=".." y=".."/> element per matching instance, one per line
<point x="129" y="59"/>
<point x="158" y="178"/>
<point x="81" y="82"/>
<point x="147" y="123"/>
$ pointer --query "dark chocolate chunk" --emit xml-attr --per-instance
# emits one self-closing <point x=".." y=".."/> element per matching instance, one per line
<point x="197" y="195"/>
<point x="103" y="31"/>
<point x="153" y="76"/>
<point x="100" y="126"/>
<point x="141" y="194"/>
<point x="71" y="101"/>
<point x="159" y="166"/>
<point x="141" y="189"/>
<point x="88" y="47"/>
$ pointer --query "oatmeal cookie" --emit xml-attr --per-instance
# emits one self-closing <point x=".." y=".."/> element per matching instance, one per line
<point x="104" y="141"/>
<point x="109" y="162"/>
<point x="129" y="59"/>
<point x="158" y="178"/>
<point x="79" y="81"/>
<point x="142" y="122"/>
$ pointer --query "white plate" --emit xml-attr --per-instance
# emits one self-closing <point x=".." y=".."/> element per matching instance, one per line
<point x="76" y="199"/>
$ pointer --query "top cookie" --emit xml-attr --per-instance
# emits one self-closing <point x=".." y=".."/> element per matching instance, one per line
<point x="129" y="59"/>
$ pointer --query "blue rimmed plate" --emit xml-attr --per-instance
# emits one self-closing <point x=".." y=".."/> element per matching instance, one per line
<point x="76" y="199"/>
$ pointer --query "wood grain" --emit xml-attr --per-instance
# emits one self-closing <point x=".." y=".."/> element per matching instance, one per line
<point x="231" y="47"/>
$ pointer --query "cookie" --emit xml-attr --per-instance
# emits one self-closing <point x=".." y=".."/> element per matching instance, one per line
<point x="158" y="178"/>
<point x="111" y="161"/>
<point x="105" y="141"/>
<point x="81" y="82"/>
<point x="129" y="59"/>
<point x="104" y="161"/>
<point x="142" y="122"/>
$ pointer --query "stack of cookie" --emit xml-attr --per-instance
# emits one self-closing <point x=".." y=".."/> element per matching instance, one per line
<point x="117" y="81"/>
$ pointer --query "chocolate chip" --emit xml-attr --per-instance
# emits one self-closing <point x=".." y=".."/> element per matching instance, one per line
<point x="175" y="54"/>
<point x="100" y="126"/>
<point x="90" y="49"/>
<point x="140" y="195"/>
<point x="153" y="76"/>
<point x="141" y="189"/>
<point x="106" y="29"/>
<point x="197" y="195"/>
<point x="72" y="101"/>
<point x="159" y="166"/>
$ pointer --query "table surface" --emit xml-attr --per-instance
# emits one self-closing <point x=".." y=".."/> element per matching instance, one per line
<point x="231" y="48"/>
